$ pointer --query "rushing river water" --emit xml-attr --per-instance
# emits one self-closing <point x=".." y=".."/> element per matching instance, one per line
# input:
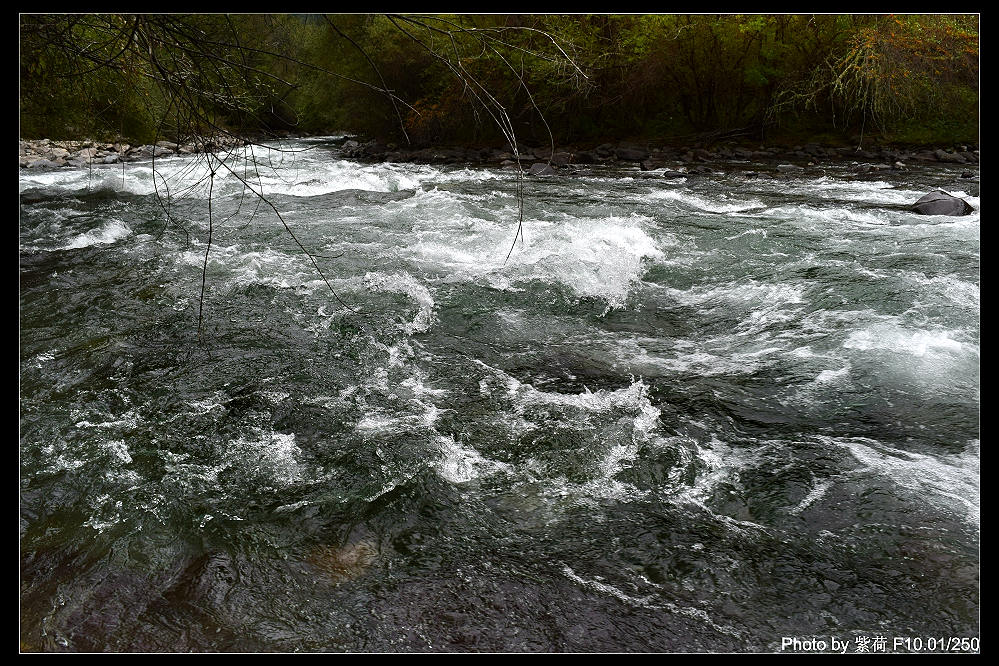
<point x="698" y="414"/>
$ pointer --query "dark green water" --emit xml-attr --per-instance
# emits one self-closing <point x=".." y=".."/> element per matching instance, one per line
<point x="686" y="415"/>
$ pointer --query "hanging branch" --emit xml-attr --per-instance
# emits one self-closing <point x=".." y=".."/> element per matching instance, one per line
<point x="208" y="247"/>
<point x="488" y="42"/>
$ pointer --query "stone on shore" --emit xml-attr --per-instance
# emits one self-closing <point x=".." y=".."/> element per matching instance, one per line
<point x="955" y="158"/>
<point x="631" y="154"/>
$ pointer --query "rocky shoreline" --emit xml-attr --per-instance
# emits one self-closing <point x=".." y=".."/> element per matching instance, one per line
<point x="649" y="157"/>
<point x="665" y="160"/>
<point x="46" y="153"/>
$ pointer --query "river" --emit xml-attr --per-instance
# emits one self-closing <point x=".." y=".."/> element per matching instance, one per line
<point x="686" y="415"/>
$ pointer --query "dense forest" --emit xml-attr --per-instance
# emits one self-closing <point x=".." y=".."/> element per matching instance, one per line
<point x="483" y="79"/>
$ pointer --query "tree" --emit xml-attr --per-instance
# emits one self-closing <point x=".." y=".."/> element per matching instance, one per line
<point x="893" y="69"/>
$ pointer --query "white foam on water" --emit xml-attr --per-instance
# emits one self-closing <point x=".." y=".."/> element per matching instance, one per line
<point x="741" y="291"/>
<point x="415" y="394"/>
<point x="945" y="481"/>
<point x="600" y="257"/>
<point x="466" y="174"/>
<point x="893" y="338"/>
<point x="872" y="335"/>
<point x="274" y="454"/>
<point x="286" y="508"/>
<point x="935" y="288"/>
<point x="620" y="455"/>
<point x="633" y="397"/>
<point x="419" y="389"/>
<point x="316" y="178"/>
<point x="410" y="286"/>
<point x="723" y="205"/>
<point x="832" y="376"/>
<point x="770" y="305"/>
<point x="460" y="463"/>
<point x="818" y="489"/>
<point x="271" y="267"/>
<point x="610" y="590"/>
<point x="816" y="219"/>
<point x="722" y="464"/>
<point x="107" y="514"/>
<point x="932" y="360"/>
<point x="960" y="292"/>
<point x="201" y="407"/>
<point x="455" y="461"/>
<point x="108" y="233"/>
<point x="307" y="173"/>
<point x="274" y="397"/>
<point x="647" y="356"/>
<point x="277" y="453"/>
<point x="870" y="191"/>
<point x="375" y="422"/>
<point x="638" y="423"/>
<point x="825" y="326"/>
<point x="965" y="228"/>
<point x="266" y="266"/>
<point x="749" y="232"/>
<point x="43" y="358"/>
<point x="649" y="601"/>
<point x="448" y="255"/>
<point x="392" y="484"/>
<point x="175" y="176"/>
<point x="119" y="449"/>
<point x="818" y="391"/>
<point x="69" y="179"/>
<point x="129" y="419"/>
<point x="60" y="457"/>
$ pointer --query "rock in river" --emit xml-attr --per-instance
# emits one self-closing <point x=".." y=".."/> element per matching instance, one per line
<point x="542" y="169"/>
<point x="941" y="203"/>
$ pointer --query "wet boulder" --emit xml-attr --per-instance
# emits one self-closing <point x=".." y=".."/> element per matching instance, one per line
<point x="542" y="169"/>
<point x="941" y="203"/>
<point x="561" y="158"/>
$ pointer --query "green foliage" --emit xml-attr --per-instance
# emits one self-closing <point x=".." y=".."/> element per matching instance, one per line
<point x="895" y="70"/>
<point x="455" y="78"/>
<point x="60" y="98"/>
<point x="146" y="76"/>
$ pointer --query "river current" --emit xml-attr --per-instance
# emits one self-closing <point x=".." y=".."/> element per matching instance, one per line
<point x="686" y="414"/>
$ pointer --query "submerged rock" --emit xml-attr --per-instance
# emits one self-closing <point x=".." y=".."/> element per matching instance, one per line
<point x="344" y="562"/>
<point x="941" y="203"/>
